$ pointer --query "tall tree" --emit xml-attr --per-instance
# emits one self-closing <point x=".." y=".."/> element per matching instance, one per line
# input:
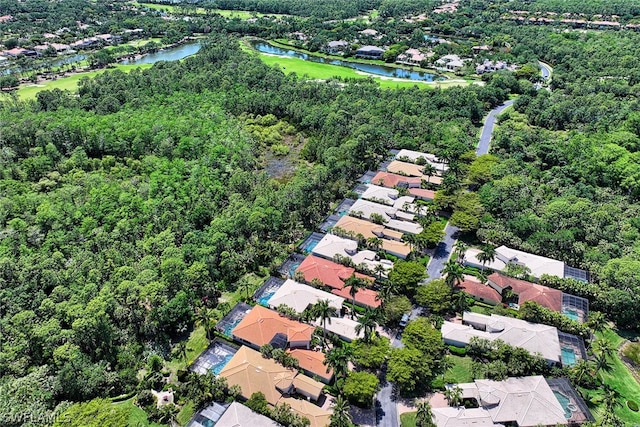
<point x="341" y="416"/>
<point x="324" y="311"/>
<point x="354" y="284"/>
<point x="454" y="273"/>
<point x="488" y="254"/>
<point x="424" y="416"/>
<point x="368" y="322"/>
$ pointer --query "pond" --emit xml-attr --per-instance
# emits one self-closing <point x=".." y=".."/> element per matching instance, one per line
<point x="170" y="54"/>
<point x="379" y="70"/>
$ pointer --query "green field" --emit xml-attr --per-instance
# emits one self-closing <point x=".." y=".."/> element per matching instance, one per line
<point x="460" y="372"/>
<point x="621" y="380"/>
<point x="240" y="14"/>
<point x="70" y="83"/>
<point x="408" y="419"/>
<point x="314" y="70"/>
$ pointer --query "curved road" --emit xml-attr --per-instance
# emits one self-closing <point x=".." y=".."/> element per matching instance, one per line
<point x="386" y="406"/>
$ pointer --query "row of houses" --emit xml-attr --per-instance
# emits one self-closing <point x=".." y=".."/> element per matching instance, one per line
<point x="572" y="22"/>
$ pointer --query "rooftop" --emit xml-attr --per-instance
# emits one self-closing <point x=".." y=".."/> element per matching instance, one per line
<point x="527" y="291"/>
<point x="300" y="296"/>
<point x="263" y="326"/>
<point x="312" y="361"/>
<point x="343" y="327"/>
<point x="317" y="416"/>
<point x="391" y="180"/>
<point x="370" y="230"/>
<point x="236" y="415"/>
<point x="404" y="168"/>
<point x="538" y="265"/>
<point x="480" y="290"/>
<point x="332" y="245"/>
<point x="533" y="337"/>
<point x="328" y="272"/>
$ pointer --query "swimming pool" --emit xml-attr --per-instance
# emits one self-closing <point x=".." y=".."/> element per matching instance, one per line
<point x="568" y="356"/>
<point x="217" y="367"/>
<point x="566" y="404"/>
<point x="292" y="270"/>
<point x="343" y="212"/>
<point x="230" y="327"/>
<point x="311" y="242"/>
<point x="264" y="299"/>
<point x="571" y="313"/>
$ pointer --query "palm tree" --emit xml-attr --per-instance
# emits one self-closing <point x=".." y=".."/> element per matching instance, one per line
<point x="379" y="270"/>
<point x="324" y="311"/>
<point x="374" y="243"/>
<point x="429" y="170"/>
<point x="341" y="416"/>
<point x="597" y="321"/>
<point x="488" y="254"/>
<point x="244" y="283"/>
<point x="206" y="318"/>
<point x="453" y="395"/>
<point x="338" y="359"/>
<point x="460" y="248"/>
<point x="424" y="417"/>
<point x="368" y="322"/>
<point x="181" y="351"/>
<point x="387" y="290"/>
<point x="354" y="284"/>
<point x="409" y="239"/>
<point x="603" y="351"/>
<point x="582" y="368"/>
<point x="454" y="273"/>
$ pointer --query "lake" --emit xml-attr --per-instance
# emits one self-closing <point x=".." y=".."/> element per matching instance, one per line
<point x="170" y="54"/>
<point x="379" y="70"/>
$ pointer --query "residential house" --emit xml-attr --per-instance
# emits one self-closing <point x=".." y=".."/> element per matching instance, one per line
<point x="369" y="32"/>
<point x="419" y="157"/>
<point x="312" y="363"/>
<point x="388" y="196"/>
<point x="344" y="327"/>
<point x="6" y="18"/>
<point x="538" y="265"/>
<point x="233" y="415"/>
<point x="422" y="194"/>
<point x="523" y="401"/>
<point x="393" y="218"/>
<point x="392" y="180"/>
<point x="370" y="52"/>
<point x="336" y="46"/>
<point x="254" y="373"/>
<point x="533" y="337"/>
<point x="488" y="66"/>
<point x="263" y="326"/>
<point x="299" y="296"/>
<point x="481" y="48"/>
<point x="404" y="168"/>
<point x="480" y="291"/>
<point x="411" y="57"/>
<point x="390" y="239"/>
<point x="331" y="246"/>
<point x="334" y="275"/>
<point x="450" y="63"/>
<point x="19" y="51"/>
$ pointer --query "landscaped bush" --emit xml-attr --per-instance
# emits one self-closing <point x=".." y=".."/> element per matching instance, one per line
<point x="632" y="405"/>
<point x="632" y="351"/>
<point x="457" y="350"/>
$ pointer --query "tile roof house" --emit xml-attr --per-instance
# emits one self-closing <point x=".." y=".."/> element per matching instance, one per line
<point x="238" y="415"/>
<point x="533" y="337"/>
<point x="344" y="327"/>
<point x="422" y="194"/>
<point x="404" y="168"/>
<point x="413" y="156"/>
<point x="538" y="265"/>
<point x="312" y="363"/>
<point x="336" y="46"/>
<point x="527" y="291"/>
<point x="391" y="180"/>
<point x="394" y="218"/>
<point x="330" y="246"/>
<point x="299" y="296"/>
<point x="524" y="401"/>
<point x="370" y="52"/>
<point x="390" y="239"/>
<point x="263" y="326"/>
<point x="334" y="275"/>
<point x="480" y="291"/>
<point x="411" y="57"/>
<point x="254" y="373"/>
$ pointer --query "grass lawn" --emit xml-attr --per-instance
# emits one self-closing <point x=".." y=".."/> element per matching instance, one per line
<point x="142" y="42"/>
<point x="239" y="294"/>
<point x="460" y="372"/>
<point x="70" y="83"/>
<point x="621" y="380"/>
<point x="408" y="419"/>
<point x="241" y="14"/>
<point x="186" y="413"/>
<point x="196" y="344"/>
<point x="137" y="417"/>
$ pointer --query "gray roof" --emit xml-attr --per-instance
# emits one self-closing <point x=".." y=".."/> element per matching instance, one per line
<point x="371" y="49"/>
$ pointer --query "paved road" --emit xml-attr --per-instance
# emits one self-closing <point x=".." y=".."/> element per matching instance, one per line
<point x="386" y="406"/>
<point x="487" y="128"/>
<point x="545" y="70"/>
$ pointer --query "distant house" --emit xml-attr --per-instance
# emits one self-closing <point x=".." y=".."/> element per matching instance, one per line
<point x="482" y="48"/>
<point x="336" y="46"/>
<point x="370" y="52"/>
<point x="523" y="401"/>
<point x="19" y="51"/>
<point x="6" y="18"/>
<point x="390" y="240"/>
<point x="491" y="66"/>
<point x="388" y="196"/>
<point x="411" y="57"/>
<point x="450" y="63"/>
<point x="299" y="296"/>
<point x="394" y="218"/>
<point x="391" y="180"/>
<point x="369" y="32"/>
<point x="331" y="246"/>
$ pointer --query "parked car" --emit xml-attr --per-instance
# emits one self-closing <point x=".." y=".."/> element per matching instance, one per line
<point x="404" y="320"/>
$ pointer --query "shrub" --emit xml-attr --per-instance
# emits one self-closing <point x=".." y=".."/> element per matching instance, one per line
<point x="632" y="405"/>
<point x="360" y="387"/>
<point x="457" y="350"/>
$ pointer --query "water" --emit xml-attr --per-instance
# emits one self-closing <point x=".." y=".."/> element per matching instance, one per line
<point x="221" y="364"/>
<point x="571" y="314"/>
<point x="568" y="356"/>
<point x="564" y="402"/>
<point x="171" y="54"/>
<point x="379" y="70"/>
<point x="230" y="327"/>
<point x="292" y="270"/>
<point x="310" y="244"/>
<point x="264" y="299"/>
<point x="343" y="212"/>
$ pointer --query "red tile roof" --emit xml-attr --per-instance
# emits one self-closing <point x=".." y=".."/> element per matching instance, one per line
<point x="312" y="361"/>
<point x="422" y="193"/>
<point x="391" y="180"/>
<point x="328" y="272"/>
<point x="366" y="297"/>
<point x="527" y="291"/>
<point x="480" y="290"/>
<point x="260" y="325"/>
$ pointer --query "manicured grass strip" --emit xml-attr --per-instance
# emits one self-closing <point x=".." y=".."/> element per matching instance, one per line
<point x="460" y="372"/>
<point x="137" y="417"/>
<point x="185" y="414"/>
<point x="196" y="344"/>
<point x="68" y="83"/>
<point x="408" y="419"/>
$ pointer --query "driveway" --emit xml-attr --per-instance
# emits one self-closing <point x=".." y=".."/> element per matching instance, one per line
<point x="386" y="406"/>
<point x="545" y="70"/>
<point x="442" y="253"/>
